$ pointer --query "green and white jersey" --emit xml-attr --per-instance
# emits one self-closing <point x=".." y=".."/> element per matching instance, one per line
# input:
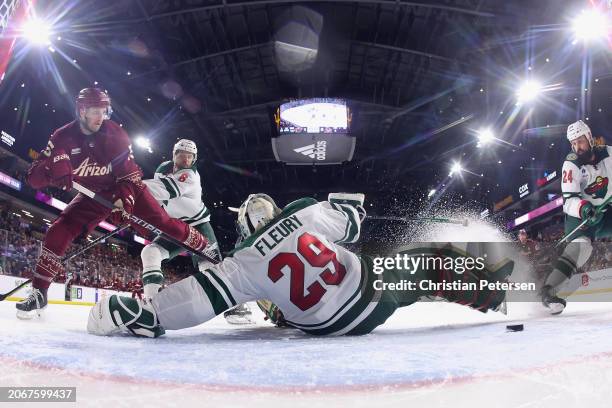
<point x="297" y="263"/>
<point x="586" y="181"/>
<point x="179" y="193"/>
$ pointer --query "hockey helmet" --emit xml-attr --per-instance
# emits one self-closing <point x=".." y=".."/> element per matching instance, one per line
<point x="254" y="213"/>
<point x="188" y="146"/>
<point x="94" y="98"/>
<point x="578" y="129"/>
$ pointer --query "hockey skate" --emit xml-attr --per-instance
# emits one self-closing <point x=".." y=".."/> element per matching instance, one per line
<point x="555" y="304"/>
<point x="33" y="305"/>
<point x="239" y="315"/>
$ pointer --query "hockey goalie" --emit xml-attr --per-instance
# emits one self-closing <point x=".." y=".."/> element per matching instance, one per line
<point x="295" y="258"/>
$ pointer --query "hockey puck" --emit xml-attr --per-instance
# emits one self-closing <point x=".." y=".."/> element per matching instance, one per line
<point x="515" y="327"/>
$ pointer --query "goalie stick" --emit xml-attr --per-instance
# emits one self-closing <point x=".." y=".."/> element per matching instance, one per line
<point x="463" y="222"/>
<point x="69" y="257"/>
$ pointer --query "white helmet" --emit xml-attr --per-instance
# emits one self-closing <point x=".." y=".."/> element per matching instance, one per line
<point x="578" y="129"/>
<point x="188" y="146"/>
<point x="257" y="210"/>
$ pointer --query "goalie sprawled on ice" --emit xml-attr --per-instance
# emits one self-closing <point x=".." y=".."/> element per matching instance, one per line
<point x="294" y="257"/>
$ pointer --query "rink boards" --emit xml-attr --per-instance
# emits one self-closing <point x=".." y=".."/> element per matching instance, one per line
<point x="80" y="295"/>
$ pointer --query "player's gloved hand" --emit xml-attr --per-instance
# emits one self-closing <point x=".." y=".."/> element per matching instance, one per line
<point x="592" y="213"/>
<point x="60" y="170"/>
<point x="123" y="201"/>
<point x="353" y="199"/>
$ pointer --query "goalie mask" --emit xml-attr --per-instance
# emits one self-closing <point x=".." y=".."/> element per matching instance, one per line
<point x="254" y="213"/>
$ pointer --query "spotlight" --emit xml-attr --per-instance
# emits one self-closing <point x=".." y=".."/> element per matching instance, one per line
<point x="431" y="193"/>
<point x="143" y="142"/>
<point x="590" y="24"/>
<point x="485" y="136"/>
<point x="455" y="169"/>
<point x="528" y="91"/>
<point x="37" y="31"/>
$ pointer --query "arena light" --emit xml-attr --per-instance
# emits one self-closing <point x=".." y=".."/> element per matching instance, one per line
<point x="528" y="91"/>
<point x="431" y="193"/>
<point x="456" y="168"/>
<point x="590" y="24"/>
<point x="144" y="143"/>
<point x="485" y="136"/>
<point x="37" y="31"/>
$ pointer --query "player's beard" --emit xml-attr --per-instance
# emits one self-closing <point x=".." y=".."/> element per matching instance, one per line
<point x="585" y="154"/>
<point x="182" y="164"/>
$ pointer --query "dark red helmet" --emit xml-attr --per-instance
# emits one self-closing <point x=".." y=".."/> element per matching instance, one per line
<point x="93" y="98"/>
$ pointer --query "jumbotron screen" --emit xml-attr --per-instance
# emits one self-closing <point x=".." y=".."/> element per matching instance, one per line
<point x="315" y="115"/>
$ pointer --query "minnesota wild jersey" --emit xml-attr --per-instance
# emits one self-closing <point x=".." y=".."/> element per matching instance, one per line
<point x="179" y="193"/>
<point x="586" y="181"/>
<point x="295" y="261"/>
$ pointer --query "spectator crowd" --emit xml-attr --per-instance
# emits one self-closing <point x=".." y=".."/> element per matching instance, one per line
<point x="106" y="265"/>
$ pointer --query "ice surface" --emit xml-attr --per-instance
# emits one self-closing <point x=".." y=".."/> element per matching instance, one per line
<point x="428" y="354"/>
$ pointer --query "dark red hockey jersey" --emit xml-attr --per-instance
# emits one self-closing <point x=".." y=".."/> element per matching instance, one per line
<point x="99" y="161"/>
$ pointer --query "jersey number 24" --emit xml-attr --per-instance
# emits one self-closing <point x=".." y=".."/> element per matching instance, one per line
<point x="317" y="255"/>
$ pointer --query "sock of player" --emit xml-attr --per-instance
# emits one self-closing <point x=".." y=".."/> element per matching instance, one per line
<point x="48" y="266"/>
<point x="152" y="256"/>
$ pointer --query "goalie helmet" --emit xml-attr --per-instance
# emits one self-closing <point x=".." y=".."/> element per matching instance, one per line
<point x="578" y="129"/>
<point x="188" y="146"/>
<point x="94" y="98"/>
<point x="257" y="210"/>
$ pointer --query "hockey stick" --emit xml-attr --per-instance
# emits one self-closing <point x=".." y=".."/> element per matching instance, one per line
<point x="69" y="257"/>
<point x="95" y="242"/>
<point x="600" y="209"/>
<point x="463" y="222"/>
<point x="139" y="221"/>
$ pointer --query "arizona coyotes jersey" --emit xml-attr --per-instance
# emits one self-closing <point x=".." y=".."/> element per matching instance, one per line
<point x="99" y="160"/>
<point x="586" y="181"/>
<point x="179" y="193"/>
<point x="296" y="262"/>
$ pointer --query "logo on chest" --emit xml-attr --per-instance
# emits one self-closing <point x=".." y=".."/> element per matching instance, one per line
<point x="598" y="188"/>
<point x="87" y="169"/>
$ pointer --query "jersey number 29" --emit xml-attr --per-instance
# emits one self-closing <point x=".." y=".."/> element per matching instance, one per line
<point x="317" y="255"/>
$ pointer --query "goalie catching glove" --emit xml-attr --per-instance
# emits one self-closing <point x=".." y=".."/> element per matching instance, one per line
<point x="272" y="313"/>
<point x="355" y="200"/>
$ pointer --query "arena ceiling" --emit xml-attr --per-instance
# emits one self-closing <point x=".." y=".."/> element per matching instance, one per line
<point x="421" y="77"/>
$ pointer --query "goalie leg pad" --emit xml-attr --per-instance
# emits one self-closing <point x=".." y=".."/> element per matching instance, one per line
<point x="116" y="313"/>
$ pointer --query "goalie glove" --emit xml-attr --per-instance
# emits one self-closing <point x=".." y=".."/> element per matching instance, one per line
<point x="353" y="199"/>
<point x="272" y="313"/>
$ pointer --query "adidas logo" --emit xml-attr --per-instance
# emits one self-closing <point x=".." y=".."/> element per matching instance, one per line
<point x="314" y="151"/>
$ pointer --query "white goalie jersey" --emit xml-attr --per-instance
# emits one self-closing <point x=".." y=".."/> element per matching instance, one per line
<point x="582" y="182"/>
<point x="179" y="193"/>
<point x="295" y="261"/>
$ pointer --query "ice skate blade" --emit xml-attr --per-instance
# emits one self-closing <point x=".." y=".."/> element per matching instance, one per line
<point x="239" y="320"/>
<point x="556" y="308"/>
<point x="32" y="314"/>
